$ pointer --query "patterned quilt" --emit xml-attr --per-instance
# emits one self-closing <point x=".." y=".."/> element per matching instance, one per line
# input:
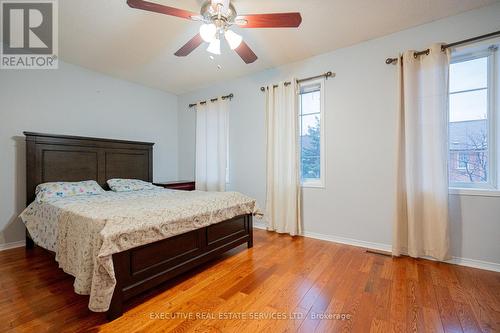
<point x="85" y="231"/>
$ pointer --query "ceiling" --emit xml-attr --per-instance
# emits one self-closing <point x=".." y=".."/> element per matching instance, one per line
<point x="138" y="46"/>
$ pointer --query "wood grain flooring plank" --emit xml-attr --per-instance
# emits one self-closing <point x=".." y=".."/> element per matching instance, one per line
<point x="279" y="275"/>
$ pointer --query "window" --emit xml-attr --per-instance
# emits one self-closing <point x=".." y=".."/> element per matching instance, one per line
<point x="472" y="120"/>
<point x="311" y="102"/>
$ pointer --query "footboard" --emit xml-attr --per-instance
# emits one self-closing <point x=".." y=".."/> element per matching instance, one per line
<point x="145" y="267"/>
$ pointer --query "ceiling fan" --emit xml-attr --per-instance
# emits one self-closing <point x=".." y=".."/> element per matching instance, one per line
<point x="217" y="17"/>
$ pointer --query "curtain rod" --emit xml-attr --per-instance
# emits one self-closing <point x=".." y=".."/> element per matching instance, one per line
<point x="230" y="97"/>
<point x="389" y="61"/>
<point x="326" y="75"/>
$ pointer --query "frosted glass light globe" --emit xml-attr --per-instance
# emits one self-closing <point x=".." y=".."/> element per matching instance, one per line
<point x="233" y="39"/>
<point x="207" y="32"/>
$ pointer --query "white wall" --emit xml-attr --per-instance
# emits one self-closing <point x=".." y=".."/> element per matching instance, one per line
<point x="76" y="101"/>
<point x="358" y="201"/>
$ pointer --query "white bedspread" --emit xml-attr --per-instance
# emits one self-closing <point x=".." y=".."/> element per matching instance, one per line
<point x="85" y="231"/>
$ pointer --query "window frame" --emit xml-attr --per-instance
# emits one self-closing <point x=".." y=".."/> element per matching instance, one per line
<point x="313" y="182"/>
<point x="492" y="79"/>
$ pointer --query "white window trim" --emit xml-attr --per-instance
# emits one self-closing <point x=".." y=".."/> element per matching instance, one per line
<point x="474" y="192"/>
<point x="491" y="186"/>
<point x="316" y="183"/>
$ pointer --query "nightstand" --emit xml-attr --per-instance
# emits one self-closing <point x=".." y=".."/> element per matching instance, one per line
<point x="183" y="185"/>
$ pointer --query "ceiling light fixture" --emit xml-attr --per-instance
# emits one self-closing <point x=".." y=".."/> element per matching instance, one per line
<point x="218" y="15"/>
<point x="208" y="32"/>
<point x="214" y="46"/>
<point x="233" y="39"/>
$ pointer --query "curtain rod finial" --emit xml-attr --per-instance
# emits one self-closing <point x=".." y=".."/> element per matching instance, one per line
<point x="262" y="89"/>
<point x="389" y="61"/>
<point x="329" y="74"/>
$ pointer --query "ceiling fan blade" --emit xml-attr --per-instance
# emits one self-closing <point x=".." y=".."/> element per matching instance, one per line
<point x="277" y="20"/>
<point x="189" y="46"/>
<point x="157" y="8"/>
<point x="246" y="53"/>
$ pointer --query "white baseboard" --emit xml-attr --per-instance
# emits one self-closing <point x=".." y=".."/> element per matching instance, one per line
<point x="489" y="266"/>
<point x="8" y="246"/>
<point x="349" y="241"/>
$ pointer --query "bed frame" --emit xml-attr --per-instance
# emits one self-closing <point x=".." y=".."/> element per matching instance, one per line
<point x="71" y="158"/>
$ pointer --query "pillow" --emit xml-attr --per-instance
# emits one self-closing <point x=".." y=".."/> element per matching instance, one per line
<point x="127" y="185"/>
<point x="47" y="191"/>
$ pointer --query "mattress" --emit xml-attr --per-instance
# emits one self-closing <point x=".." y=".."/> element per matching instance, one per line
<point x="85" y="231"/>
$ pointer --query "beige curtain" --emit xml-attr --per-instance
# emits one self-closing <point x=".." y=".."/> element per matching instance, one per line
<point x="421" y="226"/>
<point x="211" y="145"/>
<point x="283" y="175"/>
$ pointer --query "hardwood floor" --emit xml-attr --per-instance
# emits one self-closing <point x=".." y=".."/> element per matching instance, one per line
<point x="285" y="282"/>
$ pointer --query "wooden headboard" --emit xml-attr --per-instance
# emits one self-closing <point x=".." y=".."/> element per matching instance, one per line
<point x="51" y="158"/>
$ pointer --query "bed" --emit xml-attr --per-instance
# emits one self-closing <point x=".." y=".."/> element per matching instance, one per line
<point x="196" y="232"/>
